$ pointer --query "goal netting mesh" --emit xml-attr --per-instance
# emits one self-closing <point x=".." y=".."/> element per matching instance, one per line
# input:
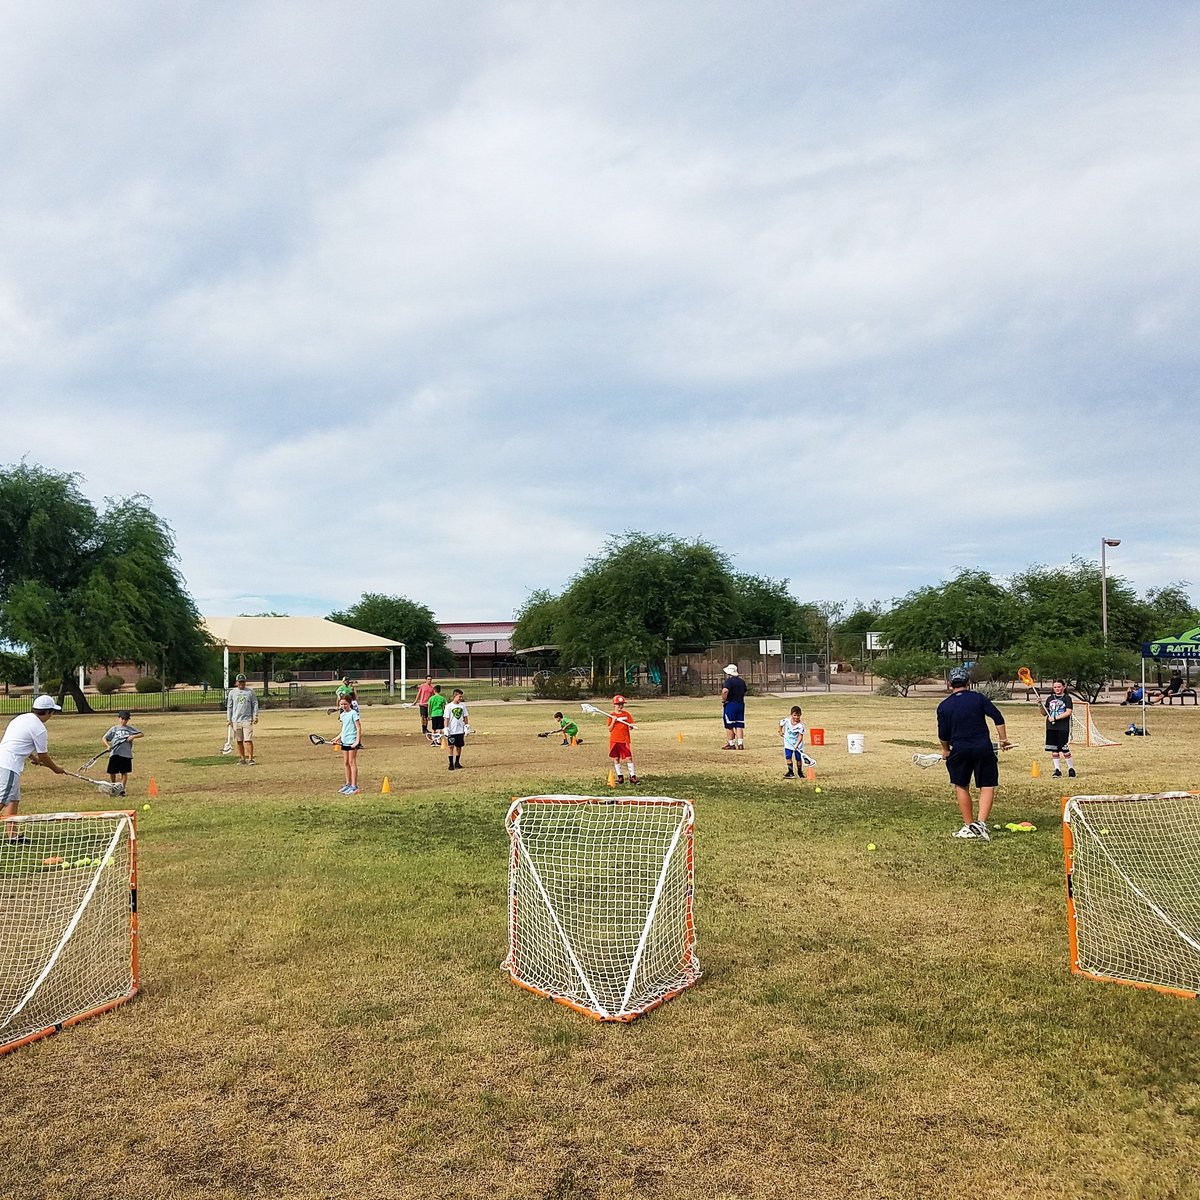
<point x="1133" y="888"/>
<point x="600" y="901"/>
<point x="67" y="920"/>
<point x="1083" y="728"/>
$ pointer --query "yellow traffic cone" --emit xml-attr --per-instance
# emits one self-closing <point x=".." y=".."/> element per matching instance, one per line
<point x="386" y="790"/>
<point x="612" y="779"/>
<point x="1035" y="772"/>
<point x="679" y="738"/>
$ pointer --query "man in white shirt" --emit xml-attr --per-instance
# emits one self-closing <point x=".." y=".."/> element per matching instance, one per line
<point x="26" y="739"/>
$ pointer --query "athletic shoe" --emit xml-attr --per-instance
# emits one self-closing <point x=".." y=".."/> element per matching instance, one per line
<point x="1071" y="773"/>
<point x="251" y="763"/>
<point x="981" y="830"/>
<point x="789" y="775"/>
<point x="729" y="746"/>
<point x="633" y="779"/>
<point x="457" y="765"/>
<point x="1056" y="775"/>
<point x="966" y="832"/>
<point x="344" y="789"/>
<point x="565" y="742"/>
<point x="352" y="791"/>
<point x="19" y="840"/>
<point x="451" y="766"/>
<point x="620" y="780"/>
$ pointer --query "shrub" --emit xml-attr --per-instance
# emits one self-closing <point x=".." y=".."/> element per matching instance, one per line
<point x="994" y="689"/>
<point x="284" y="676"/>
<point x="148" y="683"/>
<point x="309" y="698"/>
<point x="887" y="688"/>
<point x="107" y="684"/>
<point x="558" y="686"/>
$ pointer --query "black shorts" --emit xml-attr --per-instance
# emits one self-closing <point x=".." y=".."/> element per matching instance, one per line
<point x="437" y="722"/>
<point x="343" y="746"/>
<point x="118" y="764"/>
<point x="424" y="709"/>
<point x="1058" y="737"/>
<point x="456" y="739"/>
<point x="979" y="761"/>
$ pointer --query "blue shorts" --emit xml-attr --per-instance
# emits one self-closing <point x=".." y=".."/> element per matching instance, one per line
<point x="979" y="761"/>
<point x="734" y="713"/>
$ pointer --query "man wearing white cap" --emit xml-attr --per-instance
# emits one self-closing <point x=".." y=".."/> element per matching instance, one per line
<point x="25" y="740"/>
<point x="733" y="708"/>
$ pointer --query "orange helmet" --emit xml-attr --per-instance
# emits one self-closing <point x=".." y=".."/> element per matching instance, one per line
<point x="618" y="699"/>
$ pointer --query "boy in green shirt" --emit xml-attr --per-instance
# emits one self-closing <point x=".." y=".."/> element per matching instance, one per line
<point x="569" y="729"/>
<point x="437" y="717"/>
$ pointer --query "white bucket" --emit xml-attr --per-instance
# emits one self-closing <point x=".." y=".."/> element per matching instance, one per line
<point x="856" y="743"/>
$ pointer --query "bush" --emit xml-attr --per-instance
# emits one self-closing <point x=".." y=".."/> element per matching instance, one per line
<point x="309" y="698"/>
<point x="558" y="686"/>
<point x="148" y="683"/>
<point x="107" y="684"/>
<point x="887" y="688"/>
<point x="994" y="689"/>
<point x="284" y="677"/>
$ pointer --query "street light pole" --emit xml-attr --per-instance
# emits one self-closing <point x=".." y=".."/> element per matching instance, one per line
<point x="428" y="647"/>
<point x="1104" y="544"/>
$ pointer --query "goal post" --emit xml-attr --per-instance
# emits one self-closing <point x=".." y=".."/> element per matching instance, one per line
<point x="1084" y="730"/>
<point x="68" y="920"/>
<point x="601" y="914"/>
<point x="1133" y="889"/>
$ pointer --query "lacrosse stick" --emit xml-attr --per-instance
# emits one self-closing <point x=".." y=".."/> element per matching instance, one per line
<point x="228" y="747"/>
<point x="1024" y="676"/>
<point x="318" y="740"/>
<point x="119" y="739"/>
<point x="927" y="760"/>
<point x="599" y="712"/>
<point x="101" y="785"/>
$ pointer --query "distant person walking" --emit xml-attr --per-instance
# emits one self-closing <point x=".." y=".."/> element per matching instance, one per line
<point x="25" y="739"/>
<point x="967" y="750"/>
<point x="241" y="711"/>
<point x="1058" y="707"/>
<point x="424" y="691"/>
<point x="119" y="740"/>
<point x="733" y="708"/>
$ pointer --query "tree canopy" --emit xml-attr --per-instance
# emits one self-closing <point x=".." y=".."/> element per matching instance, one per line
<point x="79" y="586"/>
<point x="398" y="619"/>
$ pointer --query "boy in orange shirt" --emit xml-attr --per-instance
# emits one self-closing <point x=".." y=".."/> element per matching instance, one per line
<point x="619" y="749"/>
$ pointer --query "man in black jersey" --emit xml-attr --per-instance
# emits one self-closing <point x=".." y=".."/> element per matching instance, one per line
<point x="967" y="749"/>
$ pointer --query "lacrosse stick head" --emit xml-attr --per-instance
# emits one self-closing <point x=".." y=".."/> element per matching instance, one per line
<point x="316" y="739"/>
<point x="1024" y="676"/>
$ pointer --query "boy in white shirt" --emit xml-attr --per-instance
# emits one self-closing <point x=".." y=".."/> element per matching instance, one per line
<point x="791" y="729"/>
<point x="456" y="728"/>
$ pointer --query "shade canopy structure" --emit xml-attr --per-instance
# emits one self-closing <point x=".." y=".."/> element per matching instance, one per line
<point x="1186" y="645"/>
<point x="281" y="635"/>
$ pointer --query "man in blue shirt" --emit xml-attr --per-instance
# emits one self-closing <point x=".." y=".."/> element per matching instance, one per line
<point x="733" y="708"/>
<point x="967" y="749"/>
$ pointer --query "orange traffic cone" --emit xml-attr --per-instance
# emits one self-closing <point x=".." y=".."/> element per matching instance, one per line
<point x="679" y="738"/>
<point x="811" y="773"/>
<point x="1035" y="772"/>
<point x="152" y="790"/>
<point x="386" y="790"/>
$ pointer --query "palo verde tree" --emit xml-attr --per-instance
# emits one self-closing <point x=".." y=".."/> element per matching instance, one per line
<point x="398" y="619"/>
<point x="640" y="590"/>
<point x="78" y="586"/>
<point x="971" y="610"/>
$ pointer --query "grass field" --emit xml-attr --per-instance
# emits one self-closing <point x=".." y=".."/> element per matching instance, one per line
<point x="323" y="1014"/>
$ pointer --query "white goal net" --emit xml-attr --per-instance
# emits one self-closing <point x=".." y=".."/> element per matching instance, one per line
<point x="68" y="914"/>
<point x="1083" y="728"/>
<point x="600" y="901"/>
<point x="1133" y="888"/>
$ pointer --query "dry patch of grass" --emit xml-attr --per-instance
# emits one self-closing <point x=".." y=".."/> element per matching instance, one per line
<point x="323" y="1014"/>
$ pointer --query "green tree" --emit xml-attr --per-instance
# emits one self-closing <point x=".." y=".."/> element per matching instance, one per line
<point x="640" y="590"/>
<point x="400" y="620"/>
<point x="764" y="607"/>
<point x="1169" y="612"/>
<point x="852" y="630"/>
<point x="537" y="621"/>
<point x="971" y="610"/>
<point x="1084" y="664"/>
<point x="1065" y="602"/>
<point x="77" y="586"/>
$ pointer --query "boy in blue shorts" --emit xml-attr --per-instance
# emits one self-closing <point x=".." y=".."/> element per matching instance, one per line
<point x="791" y="729"/>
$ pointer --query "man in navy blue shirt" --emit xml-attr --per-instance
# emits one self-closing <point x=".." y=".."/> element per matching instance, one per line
<point x="967" y="749"/>
<point x="733" y="708"/>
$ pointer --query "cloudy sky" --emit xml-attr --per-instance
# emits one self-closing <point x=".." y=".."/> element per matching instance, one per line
<point x="431" y="297"/>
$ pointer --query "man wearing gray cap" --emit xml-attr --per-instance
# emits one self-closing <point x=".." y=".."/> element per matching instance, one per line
<point x="241" y="711"/>
<point x="25" y="740"/>
<point x="967" y="750"/>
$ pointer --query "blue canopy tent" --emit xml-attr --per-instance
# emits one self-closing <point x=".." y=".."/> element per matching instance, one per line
<point x="1185" y="647"/>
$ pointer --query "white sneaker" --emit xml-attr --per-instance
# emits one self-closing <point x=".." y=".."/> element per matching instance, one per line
<point x="966" y="832"/>
<point x="981" y="831"/>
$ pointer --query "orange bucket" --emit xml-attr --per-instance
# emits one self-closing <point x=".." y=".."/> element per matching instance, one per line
<point x="816" y="737"/>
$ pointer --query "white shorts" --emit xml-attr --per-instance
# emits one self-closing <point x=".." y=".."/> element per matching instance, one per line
<point x="10" y="787"/>
<point x="243" y="731"/>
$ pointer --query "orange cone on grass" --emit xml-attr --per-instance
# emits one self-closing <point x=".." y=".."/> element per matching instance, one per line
<point x="386" y="789"/>
<point x="152" y="790"/>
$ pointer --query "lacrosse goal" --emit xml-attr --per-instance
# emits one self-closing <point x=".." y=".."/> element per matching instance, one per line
<point x="1133" y="889"/>
<point x="1083" y="728"/>
<point x="68" y="921"/>
<point x="600" y="902"/>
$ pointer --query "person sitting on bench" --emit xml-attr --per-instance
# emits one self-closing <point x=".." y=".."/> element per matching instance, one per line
<point x="1174" y="684"/>
<point x="1134" y="695"/>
